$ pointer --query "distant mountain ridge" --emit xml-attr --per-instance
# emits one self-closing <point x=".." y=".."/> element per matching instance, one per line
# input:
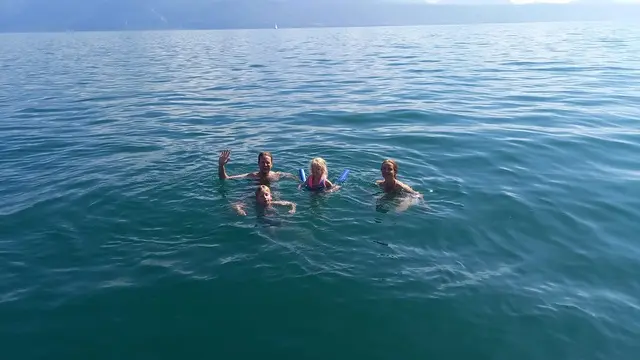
<point x="79" y="15"/>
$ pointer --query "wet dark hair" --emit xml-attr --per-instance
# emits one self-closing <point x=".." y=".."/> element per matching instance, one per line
<point x="263" y="154"/>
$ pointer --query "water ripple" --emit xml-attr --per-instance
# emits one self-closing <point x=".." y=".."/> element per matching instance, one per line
<point x="523" y="142"/>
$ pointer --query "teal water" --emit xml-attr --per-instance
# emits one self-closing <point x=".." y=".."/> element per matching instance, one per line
<point x="117" y="240"/>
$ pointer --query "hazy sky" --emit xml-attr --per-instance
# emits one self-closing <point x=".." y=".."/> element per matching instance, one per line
<point x="571" y="1"/>
<point x="66" y="15"/>
<point x="533" y="1"/>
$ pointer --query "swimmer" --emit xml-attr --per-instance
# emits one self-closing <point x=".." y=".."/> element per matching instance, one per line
<point x="264" y="174"/>
<point x="318" y="177"/>
<point x="391" y="185"/>
<point x="264" y="202"/>
<point x="390" y="182"/>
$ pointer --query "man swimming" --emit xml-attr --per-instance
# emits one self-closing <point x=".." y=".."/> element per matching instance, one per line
<point x="265" y="163"/>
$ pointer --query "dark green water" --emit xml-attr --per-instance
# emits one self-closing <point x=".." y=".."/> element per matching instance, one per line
<point x="117" y="240"/>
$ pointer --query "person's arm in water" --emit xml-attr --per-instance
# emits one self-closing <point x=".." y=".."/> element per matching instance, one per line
<point x="286" y="175"/>
<point x="331" y="187"/>
<point x="406" y="188"/>
<point x="286" y="203"/>
<point x="222" y="161"/>
<point x="239" y="209"/>
<point x="409" y="200"/>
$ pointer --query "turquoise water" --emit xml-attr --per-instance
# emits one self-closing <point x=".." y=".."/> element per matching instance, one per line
<point x="117" y="240"/>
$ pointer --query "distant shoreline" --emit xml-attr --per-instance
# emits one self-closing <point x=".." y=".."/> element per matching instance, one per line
<point x="283" y="28"/>
<point x="297" y="15"/>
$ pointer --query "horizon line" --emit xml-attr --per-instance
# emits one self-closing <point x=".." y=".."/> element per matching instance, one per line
<point x="312" y="27"/>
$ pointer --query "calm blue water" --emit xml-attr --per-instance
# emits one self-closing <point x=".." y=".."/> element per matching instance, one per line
<point x="117" y="240"/>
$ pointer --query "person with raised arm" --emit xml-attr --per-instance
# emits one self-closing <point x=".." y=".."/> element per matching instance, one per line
<point x="264" y="173"/>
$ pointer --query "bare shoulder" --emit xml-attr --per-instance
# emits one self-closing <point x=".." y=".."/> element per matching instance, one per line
<point x="406" y="188"/>
<point x="379" y="182"/>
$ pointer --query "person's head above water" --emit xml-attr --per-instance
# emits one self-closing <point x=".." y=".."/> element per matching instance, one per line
<point x="318" y="168"/>
<point x="265" y="201"/>
<point x="389" y="169"/>
<point x="265" y="162"/>
<point x="264" y="173"/>
<point x="263" y="195"/>
<point x="391" y="184"/>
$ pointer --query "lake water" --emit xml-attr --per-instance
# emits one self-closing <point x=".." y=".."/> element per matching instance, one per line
<point x="117" y="240"/>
